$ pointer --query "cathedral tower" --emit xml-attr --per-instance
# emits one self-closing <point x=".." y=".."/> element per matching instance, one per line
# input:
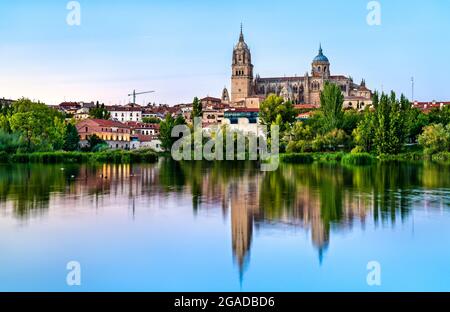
<point x="242" y="71"/>
<point x="321" y="65"/>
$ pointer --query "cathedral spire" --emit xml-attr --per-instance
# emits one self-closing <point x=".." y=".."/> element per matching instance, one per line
<point x="320" y="49"/>
<point x="241" y="36"/>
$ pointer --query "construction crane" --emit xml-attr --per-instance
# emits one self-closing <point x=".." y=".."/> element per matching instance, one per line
<point x="138" y="93"/>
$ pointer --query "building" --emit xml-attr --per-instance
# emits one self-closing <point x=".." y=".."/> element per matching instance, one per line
<point x="125" y="113"/>
<point x="245" y="120"/>
<point x="145" y="141"/>
<point x="143" y="128"/>
<point x="246" y="88"/>
<point x="428" y="106"/>
<point x="210" y="102"/>
<point x="212" y="117"/>
<point x="116" y="134"/>
<point x="6" y="102"/>
<point x="82" y="113"/>
<point x="69" y="107"/>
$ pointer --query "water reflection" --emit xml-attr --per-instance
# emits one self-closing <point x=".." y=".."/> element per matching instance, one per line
<point x="321" y="199"/>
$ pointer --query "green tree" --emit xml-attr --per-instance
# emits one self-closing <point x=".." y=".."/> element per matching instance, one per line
<point x="351" y="119"/>
<point x="72" y="139"/>
<point x="197" y="109"/>
<point x="41" y="127"/>
<point x="95" y="142"/>
<point x="364" y="134"/>
<point x="151" y="120"/>
<point x="10" y="142"/>
<point x="435" y="138"/>
<point x="390" y="131"/>
<point x="331" y="104"/>
<point x="440" y="115"/>
<point x="99" y="112"/>
<point x="165" y="129"/>
<point x="275" y="106"/>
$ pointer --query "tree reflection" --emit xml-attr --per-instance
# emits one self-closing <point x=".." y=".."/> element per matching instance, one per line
<point x="321" y="198"/>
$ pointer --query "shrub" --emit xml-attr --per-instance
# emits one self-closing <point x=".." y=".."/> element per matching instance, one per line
<point x="4" y="157"/>
<point x="435" y="139"/>
<point x="359" y="159"/>
<point x="297" y="158"/>
<point x="441" y="157"/>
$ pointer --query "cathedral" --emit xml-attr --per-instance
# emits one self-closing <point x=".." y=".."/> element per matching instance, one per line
<point x="249" y="90"/>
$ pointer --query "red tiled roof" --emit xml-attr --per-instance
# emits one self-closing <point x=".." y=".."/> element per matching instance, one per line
<point x="69" y="104"/>
<point x="210" y="98"/>
<point x="306" y="106"/>
<point x="109" y="123"/>
<point x="144" y="138"/>
<point x="141" y="125"/>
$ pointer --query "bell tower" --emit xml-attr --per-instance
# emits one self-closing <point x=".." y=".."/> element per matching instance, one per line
<point x="242" y="71"/>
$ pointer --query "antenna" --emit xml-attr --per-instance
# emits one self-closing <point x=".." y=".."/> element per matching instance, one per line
<point x="412" y="89"/>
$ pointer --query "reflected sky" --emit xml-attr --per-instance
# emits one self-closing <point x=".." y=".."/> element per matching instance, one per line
<point x="224" y="226"/>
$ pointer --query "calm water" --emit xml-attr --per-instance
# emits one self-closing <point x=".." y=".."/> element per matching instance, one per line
<point x="224" y="227"/>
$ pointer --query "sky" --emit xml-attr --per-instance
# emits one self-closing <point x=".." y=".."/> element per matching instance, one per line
<point x="182" y="49"/>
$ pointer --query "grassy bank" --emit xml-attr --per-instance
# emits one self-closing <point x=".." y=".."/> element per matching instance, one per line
<point x="119" y="156"/>
<point x="362" y="159"/>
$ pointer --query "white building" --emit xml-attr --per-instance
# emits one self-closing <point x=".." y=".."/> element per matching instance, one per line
<point x="125" y="113"/>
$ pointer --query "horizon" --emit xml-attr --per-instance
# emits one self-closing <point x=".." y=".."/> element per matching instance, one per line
<point x="141" y="45"/>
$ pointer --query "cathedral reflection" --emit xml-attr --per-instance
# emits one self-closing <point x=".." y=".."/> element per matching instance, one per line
<point x="320" y="199"/>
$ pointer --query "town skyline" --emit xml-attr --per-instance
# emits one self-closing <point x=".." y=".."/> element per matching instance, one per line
<point x="111" y="53"/>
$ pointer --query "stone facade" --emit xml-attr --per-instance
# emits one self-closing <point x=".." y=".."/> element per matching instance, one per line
<point x="245" y="88"/>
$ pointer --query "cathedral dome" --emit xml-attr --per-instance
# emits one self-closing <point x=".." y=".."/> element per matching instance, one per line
<point x="320" y="57"/>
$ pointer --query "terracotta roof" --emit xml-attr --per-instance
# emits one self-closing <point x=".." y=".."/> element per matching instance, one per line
<point x="306" y="106"/>
<point x="210" y="98"/>
<point x="69" y="104"/>
<point x="108" y="123"/>
<point x="141" y="125"/>
<point x="144" y="138"/>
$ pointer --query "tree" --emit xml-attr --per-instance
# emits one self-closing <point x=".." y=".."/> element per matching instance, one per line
<point x="165" y="130"/>
<point x="440" y="115"/>
<point x="99" y="112"/>
<point x="94" y="142"/>
<point x="435" y="138"/>
<point x="364" y="134"/>
<point x="351" y="119"/>
<point x="390" y="132"/>
<point x="197" y="108"/>
<point x="41" y="127"/>
<point x="331" y="104"/>
<point x="151" y="120"/>
<point x="275" y="106"/>
<point x="72" y="139"/>
<point x="10" y="142"/>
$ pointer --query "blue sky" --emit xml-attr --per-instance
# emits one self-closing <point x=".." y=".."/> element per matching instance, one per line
<point x="183" y="49"/>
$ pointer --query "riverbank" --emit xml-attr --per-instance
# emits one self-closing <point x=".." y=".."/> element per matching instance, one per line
<point x="117" y="156"/>
<point x="362" y="158"/>
<point x="148" y="156"/>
